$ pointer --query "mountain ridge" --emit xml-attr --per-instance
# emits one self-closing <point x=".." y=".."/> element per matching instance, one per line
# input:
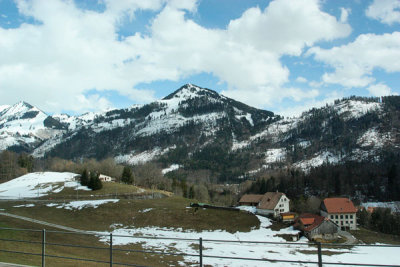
<point x="201" y="129"/>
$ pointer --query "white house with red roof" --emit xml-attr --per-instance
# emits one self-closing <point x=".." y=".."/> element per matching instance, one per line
<point x="271" y="203"/>
<point x="341" y="211"/>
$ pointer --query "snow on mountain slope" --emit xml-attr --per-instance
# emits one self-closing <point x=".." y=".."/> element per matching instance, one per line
<point x="3" y="107"/>
<point x="23" y="124"/>
<point x="353" y="109"/>
<point x="38" y="184"/>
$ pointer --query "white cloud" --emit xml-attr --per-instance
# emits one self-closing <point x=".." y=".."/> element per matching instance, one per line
<point x="379" y="89"/>
<point x="355" y="62"/>
<point x="386" y="11"/>
<point x="301" y="79"/>
<point x="72" y="51"/>
<point x="344" y="14"/>
<point x="296" y="110"/>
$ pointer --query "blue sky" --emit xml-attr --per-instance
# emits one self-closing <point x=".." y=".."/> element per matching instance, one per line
<point x="282" y="55"/>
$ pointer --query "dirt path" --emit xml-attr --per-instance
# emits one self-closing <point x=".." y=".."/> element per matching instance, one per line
<point x="350" y="239"/>
<point x="65" y="228"/>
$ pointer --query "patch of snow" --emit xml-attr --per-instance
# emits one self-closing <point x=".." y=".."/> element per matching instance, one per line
<point x="393" y="205"/>
<point x="304" y="144"/>
<point x="356" y="108"/>
<point x="171" y="168"/>
<point x="81" y="204"/>
<point x="317" y="160"/>
<point x="248" y="209"/>
<point x="143" y="157"/>
<point x="24" y="206"/>
<point x="145" y="210"/>
<point x="284" y="251"/>
<point x="37" y="184"/>
<point x="275" y="155"/>
<point x="373" y="138"/>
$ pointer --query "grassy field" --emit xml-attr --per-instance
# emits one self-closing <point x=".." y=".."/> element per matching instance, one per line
<point x="110" y="189"/>
<point x="101" y="254"/>
<point x="166" y="212"/>
<point x="371" y="237"/>
<point x="170" y="212"/>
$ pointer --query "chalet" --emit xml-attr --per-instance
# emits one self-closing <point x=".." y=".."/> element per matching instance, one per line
<point x="250" y="200"/>
<point x="271" y="203"/>
<point x="105" y="178"/>
<point x="316" y="227"/>
<point x="341" y="211"/>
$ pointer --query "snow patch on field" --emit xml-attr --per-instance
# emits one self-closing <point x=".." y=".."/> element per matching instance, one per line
<point x="248" y="209"/>
<point x="284" y="251"/>
<point x="38" y="184"/>
<point x="145" y="210"/>
<point x="81" y="204"/>
<point x="24" y="206"/>
<point x="171" y="168"/>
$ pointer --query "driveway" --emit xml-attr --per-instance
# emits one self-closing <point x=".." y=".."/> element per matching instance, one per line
<point x="350" y="239"/>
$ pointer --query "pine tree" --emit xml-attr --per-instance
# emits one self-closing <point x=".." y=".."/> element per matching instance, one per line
<point x="127" y="176"/>
<point x="84" y="178"/>
<point x="94" y="181"/>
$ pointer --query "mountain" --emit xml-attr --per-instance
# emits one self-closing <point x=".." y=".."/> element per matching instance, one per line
<point x="23" y="126"/>
<point x="199" y="129"/>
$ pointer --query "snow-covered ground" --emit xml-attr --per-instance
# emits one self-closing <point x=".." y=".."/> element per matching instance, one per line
<point x="353" y="109"/>
<point x="171" y="168"/>
<point x="81" y="204"/>
<point x="275" y="155"/>
<point x="372" y="138"/>
<point x="317" y="160"/>
<point x="38" y="184"/>
<point x="143" y="157"/>
<point x="284" y="251"/>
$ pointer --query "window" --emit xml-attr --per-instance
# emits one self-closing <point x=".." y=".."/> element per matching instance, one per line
<point x="282" y="210"/>
<point x="341" y="222"/>
<point x="351" y="216"/>
<point x="336" y="217"/>
<point x="347" y="216"/>
<point x="347" y="222"/>
<point x="341" y="216"/>
<point x="337" y="222"/>
<point x="331" y="216"/>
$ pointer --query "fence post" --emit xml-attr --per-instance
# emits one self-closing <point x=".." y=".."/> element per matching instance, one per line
<point x="319" y="254"/>
<point x="43" y="247"/>
<point x="111" y="251"/>
<point x="201" y="251"/>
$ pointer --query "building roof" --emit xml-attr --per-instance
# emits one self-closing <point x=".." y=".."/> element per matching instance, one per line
<point x="339" y="205"/>
<point x="270" y="200"/>
<point x="307" y="221"/>
<point x="251" y="198"/>
<point x="310" y="221"/>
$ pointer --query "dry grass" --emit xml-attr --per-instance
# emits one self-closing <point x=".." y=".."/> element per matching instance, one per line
<point x="170" y="212"/>
<point x="371" y="237"/>
<point x="101" y="254"/>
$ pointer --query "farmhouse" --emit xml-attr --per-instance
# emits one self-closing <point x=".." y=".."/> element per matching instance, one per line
<point x="314" y="226"/>
<point x="105" y="178"/>
<point x="341" y="211"/>
<point x="271" y="203"/>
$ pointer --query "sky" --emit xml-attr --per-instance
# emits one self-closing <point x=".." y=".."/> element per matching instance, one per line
<point x="285" y="56"/>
